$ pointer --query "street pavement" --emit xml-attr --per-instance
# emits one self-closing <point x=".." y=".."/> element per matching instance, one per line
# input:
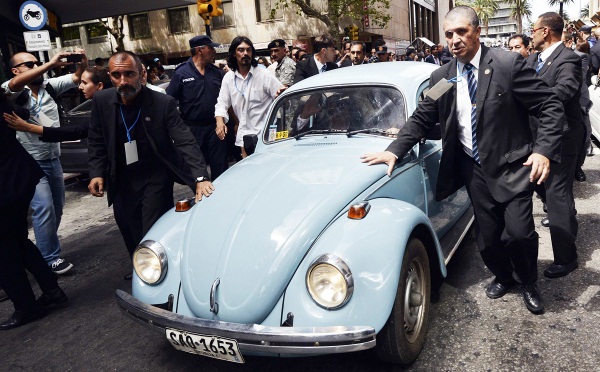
<point x="468" y="331"/>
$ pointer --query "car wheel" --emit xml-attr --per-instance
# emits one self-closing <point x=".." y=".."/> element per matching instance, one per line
<point x="401" y="339"/>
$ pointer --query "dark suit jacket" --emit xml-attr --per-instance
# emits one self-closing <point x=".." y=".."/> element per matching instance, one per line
<point x="431" y="59"/>
<point x="507" y="91"/>
<point x="562" y="72"/>
<point x="169" y="137"/>
<point x="70" y="133"/>
<point x="308" y="67"/>
<point x="19" y="172"/>
<point x="595" y="58"/>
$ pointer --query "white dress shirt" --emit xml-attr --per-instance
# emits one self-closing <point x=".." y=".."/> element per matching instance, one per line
<point x="463" y="102"/>
<point x="548" y="51"/>
<point x="249" y="97"/>
<point x="319" y="65"/>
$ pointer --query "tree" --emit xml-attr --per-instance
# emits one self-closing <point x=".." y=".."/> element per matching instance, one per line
<point x="518" y="10"/>
<point x="585" y="11"/>
<point x="116" y="30"/>
<point x="560" y="3"/>
<point x="339" y="12"/>
<point x="485" y="10"/>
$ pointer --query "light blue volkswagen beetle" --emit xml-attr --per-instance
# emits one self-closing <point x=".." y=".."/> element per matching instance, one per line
<point x="302" y="249"/>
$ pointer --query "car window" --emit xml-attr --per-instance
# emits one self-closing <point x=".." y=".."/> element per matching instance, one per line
<point x="344" y="109"/>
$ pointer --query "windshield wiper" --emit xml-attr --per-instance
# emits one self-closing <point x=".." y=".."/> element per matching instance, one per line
<point x="366" y="130"/>
<point x="318" y="131"/>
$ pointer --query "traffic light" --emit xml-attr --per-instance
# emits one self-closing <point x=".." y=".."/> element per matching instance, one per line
<point x="353" y="31"/>
<point x="204" y="7"/>
<point x="216" y="11"/>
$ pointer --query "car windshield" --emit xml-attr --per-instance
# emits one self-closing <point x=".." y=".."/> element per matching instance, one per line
<point x="365" y="109"/>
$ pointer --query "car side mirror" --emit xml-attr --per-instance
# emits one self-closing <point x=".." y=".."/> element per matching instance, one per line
<point x="250" y="141"/>
<point x="435" y="133"/>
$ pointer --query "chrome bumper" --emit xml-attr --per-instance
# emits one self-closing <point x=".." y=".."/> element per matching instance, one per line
<point x="255" y="337"/>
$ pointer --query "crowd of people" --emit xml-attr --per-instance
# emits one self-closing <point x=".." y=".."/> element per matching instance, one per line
<point x="530" y="134"/>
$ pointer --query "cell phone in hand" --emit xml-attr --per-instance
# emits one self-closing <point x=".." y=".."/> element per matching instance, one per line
<point x="74" y="58"/>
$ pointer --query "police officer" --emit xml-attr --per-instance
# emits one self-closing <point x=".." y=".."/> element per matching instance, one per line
<point x="196" y="84"/>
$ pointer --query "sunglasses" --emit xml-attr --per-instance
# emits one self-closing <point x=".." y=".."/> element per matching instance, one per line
<point x="29" y="64"/>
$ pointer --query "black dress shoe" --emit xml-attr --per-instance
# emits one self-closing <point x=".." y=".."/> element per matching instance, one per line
<point x="532" y="298"/>
<point x="496" y="289"/>
<point x="546" y="222"/>
<point x="128" y="276"/>
<point x="20" y="318"/>
<point x="55" y="297"/>
<point x="580" y="175"/>
<point x="556" y="271"/>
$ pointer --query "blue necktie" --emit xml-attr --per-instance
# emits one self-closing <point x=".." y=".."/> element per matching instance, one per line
<point x="540" y="63"/>
<point x="323" y="68"/>
<point x="473" y="95"/>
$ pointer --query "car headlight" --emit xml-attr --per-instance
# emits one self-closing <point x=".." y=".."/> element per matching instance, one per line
<point x="329" y="282"/>
<point x="150" y="262"/>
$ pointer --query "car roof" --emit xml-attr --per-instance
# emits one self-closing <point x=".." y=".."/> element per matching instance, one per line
<point x="407" y="75"/>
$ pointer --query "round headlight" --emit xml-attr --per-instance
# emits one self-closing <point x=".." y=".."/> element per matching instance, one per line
<point x="329" y="282"/>
<point x="150" y="262"/>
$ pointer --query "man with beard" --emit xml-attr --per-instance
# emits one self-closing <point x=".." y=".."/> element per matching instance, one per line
<point x="248" y="90"/>
<point x="137" y="146"/>
<point x="29" y="90"/>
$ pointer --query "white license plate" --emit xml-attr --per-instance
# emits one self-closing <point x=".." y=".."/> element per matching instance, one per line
<point x="210" y="346"/>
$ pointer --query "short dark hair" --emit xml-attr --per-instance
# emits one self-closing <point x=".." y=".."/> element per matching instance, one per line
<point x="99" y="75"/>
<point x="567" y="36"/>
<point x="323" y="41"/>
<point x="235" y="43"/>
<point x="362" y="45"/>
<point x="124" y="54"/>
<point x="553" y="21"/>
<point x="524" y="39"/>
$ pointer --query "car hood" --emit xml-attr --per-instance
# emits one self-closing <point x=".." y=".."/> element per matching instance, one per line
<point x="263" y="217"/>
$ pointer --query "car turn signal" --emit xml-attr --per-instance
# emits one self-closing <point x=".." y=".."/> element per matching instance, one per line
<point x="184" y="205"/>
<point x="359" y="211"/>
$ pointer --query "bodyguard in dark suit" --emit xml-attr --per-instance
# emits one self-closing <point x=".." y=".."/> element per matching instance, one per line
<point x="321" y="61"/>
<point x="19" y="175"/>
<point x="489" y="148"/>
<point x="138" y="145"/>
<point x="561" y="69"/>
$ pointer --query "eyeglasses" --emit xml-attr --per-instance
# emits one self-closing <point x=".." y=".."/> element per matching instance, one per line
<point x="536" y="29"/>
<point x="28" y="64"/>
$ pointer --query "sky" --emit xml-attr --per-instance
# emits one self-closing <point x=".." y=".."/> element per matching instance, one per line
<point x="541" y="6"/>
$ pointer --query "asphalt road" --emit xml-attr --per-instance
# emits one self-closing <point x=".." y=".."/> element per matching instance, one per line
<point x="467" y="331"/>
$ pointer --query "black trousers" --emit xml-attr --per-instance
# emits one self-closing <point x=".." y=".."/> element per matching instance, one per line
<point x="506" y="236"/>
<point x="213" y="149"/>
<point x="18" y="254"/>
<point x="558" y="195"/>
<point x="139" y="203"/>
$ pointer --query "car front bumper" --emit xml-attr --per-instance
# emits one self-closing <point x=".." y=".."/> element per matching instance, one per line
<point x="255" y="337"/>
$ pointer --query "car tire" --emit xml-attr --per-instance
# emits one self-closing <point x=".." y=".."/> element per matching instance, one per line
<point x="401" y="339"/>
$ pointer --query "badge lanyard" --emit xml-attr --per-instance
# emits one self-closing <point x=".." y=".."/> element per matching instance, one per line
<point x="125" y="123"/>
<point x="246" y="81"/>
<point x="39" y="103"/>
<point x="458" y="75"/>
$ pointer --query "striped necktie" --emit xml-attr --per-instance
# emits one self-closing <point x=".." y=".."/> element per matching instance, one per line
<point x="323" y="69"/>
<point x="473" y="95"/>
<point x="540" y="63"/>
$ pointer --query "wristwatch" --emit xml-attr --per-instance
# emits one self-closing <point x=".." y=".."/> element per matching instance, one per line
<point x="201" y="179"/>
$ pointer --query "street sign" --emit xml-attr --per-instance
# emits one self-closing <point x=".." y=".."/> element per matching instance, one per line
<point x="33" y="15"/>
<point x="36" y="41"/>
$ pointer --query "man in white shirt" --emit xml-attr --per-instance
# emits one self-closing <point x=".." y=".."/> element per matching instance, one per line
<point x="246" y="89"/>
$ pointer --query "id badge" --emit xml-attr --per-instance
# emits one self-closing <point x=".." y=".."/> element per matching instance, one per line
<point x="131" y="154"/>
<point x="44" y="120"/>
<point x="439" y="89"/>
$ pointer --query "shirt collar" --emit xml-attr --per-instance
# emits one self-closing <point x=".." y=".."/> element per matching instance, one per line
<point x="319" y="64"/>
<point x="475" y="61"/>
<point x="548" y="51"/>
<point x="251" y="72"/>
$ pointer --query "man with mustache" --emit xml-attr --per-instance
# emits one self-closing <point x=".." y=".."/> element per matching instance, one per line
<point x="138" y="146"/>
<point x="29" y="90"/>
<point x="248" y="90"/>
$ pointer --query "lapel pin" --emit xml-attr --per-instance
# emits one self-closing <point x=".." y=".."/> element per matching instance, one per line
<point x="487" y="71"/>
<point x="147" y="118"/>
<point x="549" y="63"/>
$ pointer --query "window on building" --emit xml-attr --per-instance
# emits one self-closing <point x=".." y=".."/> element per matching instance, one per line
<point x="96" y="33"/>
<point x="227" y="19"/>
<point x="139" y="27"/>
<point x="263" y="10"/>
<point x="179" y="20"/>
<point x="71" y="36"/>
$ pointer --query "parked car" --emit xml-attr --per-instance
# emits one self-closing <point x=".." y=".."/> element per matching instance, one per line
<point x="74" y="154"/>
<point x="302" y="249"/>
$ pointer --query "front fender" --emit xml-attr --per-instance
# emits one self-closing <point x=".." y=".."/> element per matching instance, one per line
<point x="373" y="248"/>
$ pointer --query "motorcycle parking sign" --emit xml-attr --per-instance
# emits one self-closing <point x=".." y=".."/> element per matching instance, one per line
<point x="33" y="15"/>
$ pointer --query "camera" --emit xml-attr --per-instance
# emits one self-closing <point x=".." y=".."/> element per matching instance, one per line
<point x="75" y="58"/>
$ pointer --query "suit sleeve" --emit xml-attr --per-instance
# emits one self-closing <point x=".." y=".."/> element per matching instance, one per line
<point x="97" y="151"/>
<point x="71" y="133"/>
<point x="542" y="102"/>
<point x="301" y="72"/>
<point x="568" y="78"/>
<point x="184" y="141"/>
<point x="595" y="59"/>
